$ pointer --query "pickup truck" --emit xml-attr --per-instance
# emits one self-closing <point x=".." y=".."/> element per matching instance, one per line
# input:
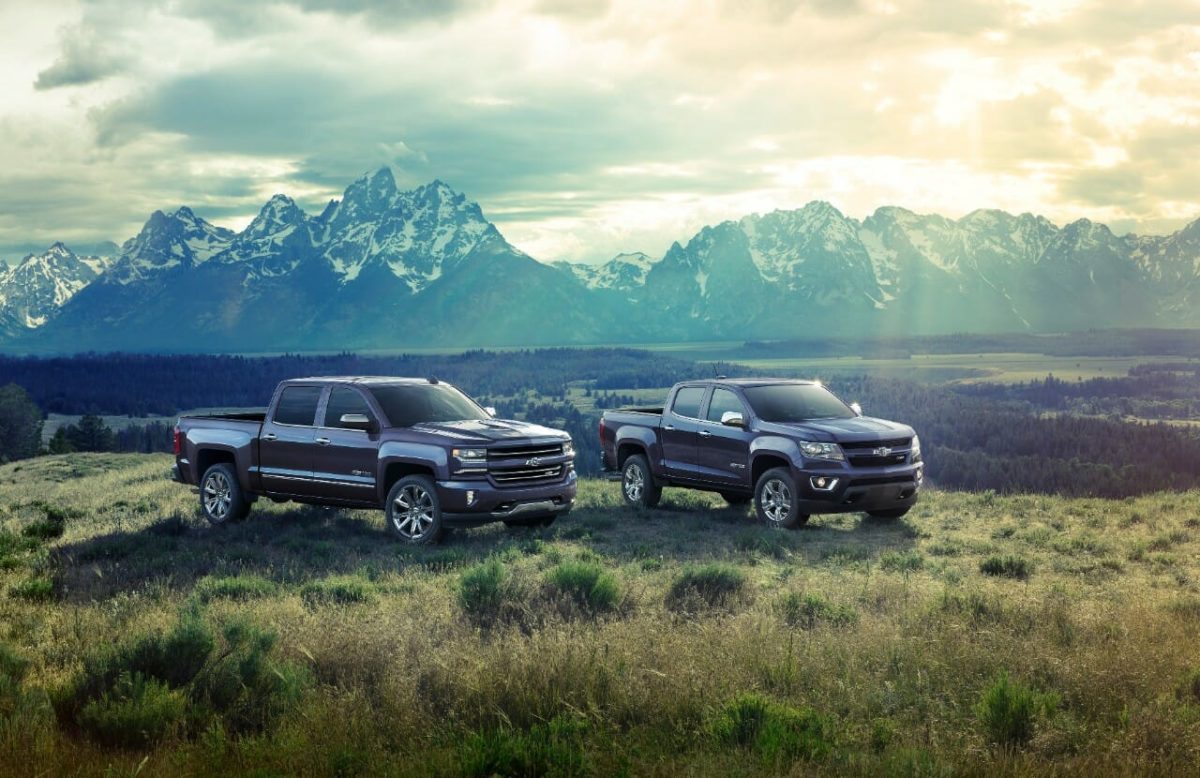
<point x="790" y="446"/>
<point x="420" y="449"/>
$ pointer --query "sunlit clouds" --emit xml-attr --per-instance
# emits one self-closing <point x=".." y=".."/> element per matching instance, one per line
<point x="589" y="128"/>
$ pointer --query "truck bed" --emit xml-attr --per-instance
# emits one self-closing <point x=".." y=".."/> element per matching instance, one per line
<point x="252" y="416"/>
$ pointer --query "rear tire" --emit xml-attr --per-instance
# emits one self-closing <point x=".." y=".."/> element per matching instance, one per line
<point x="894" y="513"/>
<point x="776" y="500"/>
<point x="737" y="498"/>
<point x="638" y="487"/>
<point x="414" y="513"/>
<point x="221" y="497"/>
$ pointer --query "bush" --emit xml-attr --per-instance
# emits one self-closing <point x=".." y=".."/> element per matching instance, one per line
<point x="554" y="748"/>
<point x="713" y="585"/>
<point x="180" y="681"/>
<point x="586" y="584"/>
<point x="489" y="592"/>
<point x="1009" y="710"/>
<point x="774" y="731"/>
<point x="1188" y="691"/>
<point x="238" y="587"/>
<point x="33" y="589"/>
<point x="807" y="611"/>
<point x="345" y="590"/>
<point x="135" y="713"/>
<point x="1007" y="566"/>
<point x="49" y="528"/>
<point x="902" y="561"/>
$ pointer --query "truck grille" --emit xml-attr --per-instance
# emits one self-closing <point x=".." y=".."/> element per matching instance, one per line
<point x="525" y="465"/>
<point x="863" y="453"/>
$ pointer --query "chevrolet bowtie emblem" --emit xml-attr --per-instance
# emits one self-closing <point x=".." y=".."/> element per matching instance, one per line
<point x="533" y="462"/>
<point x="882" y="451"/>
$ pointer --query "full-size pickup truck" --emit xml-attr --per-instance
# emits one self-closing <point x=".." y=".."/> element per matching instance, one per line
<point x="420" y="449"/>
<point x="790" y="446"/>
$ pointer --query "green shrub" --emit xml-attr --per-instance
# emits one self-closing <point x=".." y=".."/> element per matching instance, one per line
<point x="586" y="584"/>
<point x="1009" y="710"/>
<point x="715" y="585"/>
<point x="344" y="590"/>
<point x="774" y="731"/>
<point x="1188" y="690"/>
<point x="13" y="667"/>
<point x="807" y="611"/>
<point x="49" y="528"/>
<point x="551" y="749"/>
<point x="238" y="587"/>
<point x="135" y="713"/>
<point x="489" y="592"/>
<point x="902" y="561"/>
<point x="1007" y="566"/>
<point x="33" y="589"/>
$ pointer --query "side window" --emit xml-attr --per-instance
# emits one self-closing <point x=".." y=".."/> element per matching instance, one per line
<point x="687" y="401"/>
<point x="722" y="401"/>
<point x="341" y="402"/>
<point x="298" y="405"/>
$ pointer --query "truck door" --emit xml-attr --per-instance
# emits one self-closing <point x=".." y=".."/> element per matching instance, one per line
<point x="345" y="455"/>
<point x="724" y="451"/>
<point x="679" y="427"/>
<point x="286" y="442"/>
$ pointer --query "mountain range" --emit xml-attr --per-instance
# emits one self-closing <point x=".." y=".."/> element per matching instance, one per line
<point x="389" y="268"/>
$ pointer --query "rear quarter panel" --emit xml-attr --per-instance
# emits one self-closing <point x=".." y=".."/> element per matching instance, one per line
<point x="235" y="439"/>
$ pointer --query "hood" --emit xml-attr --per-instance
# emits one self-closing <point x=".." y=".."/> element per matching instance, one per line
<point x="855" y="430"/>
<point x="484" y="431"/>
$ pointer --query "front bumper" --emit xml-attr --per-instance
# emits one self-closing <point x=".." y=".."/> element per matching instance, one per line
<point x="471" y="503"/>
<point x="859" y="488"/>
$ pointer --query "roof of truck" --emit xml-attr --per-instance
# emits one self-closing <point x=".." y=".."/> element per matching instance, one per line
<point x="363" y="379"/>
<point x="750" y="381"/>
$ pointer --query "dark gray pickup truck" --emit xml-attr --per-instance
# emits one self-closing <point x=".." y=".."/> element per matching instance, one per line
<point x="418" y="448"/>
<point x="790" y="446"/>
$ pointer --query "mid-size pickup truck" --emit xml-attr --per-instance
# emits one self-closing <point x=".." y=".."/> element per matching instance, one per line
<point x="790" y="446"/>
<point x="418" y="448"/>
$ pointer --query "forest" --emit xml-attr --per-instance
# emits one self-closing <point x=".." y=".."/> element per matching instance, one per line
<point x="1048" y="436"/>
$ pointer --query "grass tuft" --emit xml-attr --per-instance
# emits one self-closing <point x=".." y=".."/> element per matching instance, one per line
<point x="1007" y="566"/>
<point x="237" y="587"/>
<point x="714" y="585"/>
<point x="555" y="748"/>
<point x="586" y="585"/>
<point x="33" y="590"/>
<point x="775" y="732"/>
<point x="338" y="590"/>
<point x="1009" y="711"/>
<point x="808" y="611"/>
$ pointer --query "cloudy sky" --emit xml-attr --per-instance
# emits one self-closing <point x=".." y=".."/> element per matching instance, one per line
<point x="588" y="127"/>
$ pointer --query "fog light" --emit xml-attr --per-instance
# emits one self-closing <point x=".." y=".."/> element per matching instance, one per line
<point x="920" y="475"/>
<point x="470" y="497"/>
<point x="823" y="483"/>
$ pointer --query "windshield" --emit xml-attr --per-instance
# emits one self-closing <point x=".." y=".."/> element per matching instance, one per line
<point x="409" y="404"/>
<point x="795" y="402"/>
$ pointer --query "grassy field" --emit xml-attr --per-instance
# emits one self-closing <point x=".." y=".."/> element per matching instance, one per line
<point x="981" y="635"/>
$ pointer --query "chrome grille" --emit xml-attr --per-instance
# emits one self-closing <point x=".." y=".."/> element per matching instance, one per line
<point x="523" y="465"/>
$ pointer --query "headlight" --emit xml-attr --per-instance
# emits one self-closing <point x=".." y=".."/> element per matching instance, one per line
<point x="916" y="447"/>
<point x="470" y="454"/>
<point x="569" y="447"/>
<point x="813" y="450"/>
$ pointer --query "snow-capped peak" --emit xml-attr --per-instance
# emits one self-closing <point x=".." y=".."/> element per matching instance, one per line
<point x="32" y="292"/>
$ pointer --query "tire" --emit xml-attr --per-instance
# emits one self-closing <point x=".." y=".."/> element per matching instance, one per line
<point x="414" y="513"/>
<point x="737" y="498"/>
<point x="894" y="513"/>
<point x="776" y="500"/>
<point x="221" y="497"/>
<point x="638" y="487"/>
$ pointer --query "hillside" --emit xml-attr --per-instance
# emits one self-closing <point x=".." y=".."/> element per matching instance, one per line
<point x="383" y="267"/>
<point x="982" y="635"/>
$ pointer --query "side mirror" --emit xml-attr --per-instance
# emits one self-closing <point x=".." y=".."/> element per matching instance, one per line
<point x="733" y="419"/>
<point x="356" y="421"/>
<point x="856" y="408"/>
<point x="491" y="411"/>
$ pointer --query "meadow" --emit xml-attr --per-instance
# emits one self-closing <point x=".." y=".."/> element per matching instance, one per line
<point x="980" y="635"/>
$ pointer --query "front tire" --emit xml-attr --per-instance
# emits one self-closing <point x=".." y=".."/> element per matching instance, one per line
<point x="414" y="513"/>
<point x="776" y="500"/>
<point x="894" y="513"/>
<point x="221" y="497"/>
<point x="638" y="487"/>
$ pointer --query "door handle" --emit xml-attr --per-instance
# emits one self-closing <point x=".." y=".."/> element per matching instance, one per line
<point x="322" y="441"/>
<point x="705" y="434"/>
<point x="669" y="427"/>
<point x="269" y="436"/>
